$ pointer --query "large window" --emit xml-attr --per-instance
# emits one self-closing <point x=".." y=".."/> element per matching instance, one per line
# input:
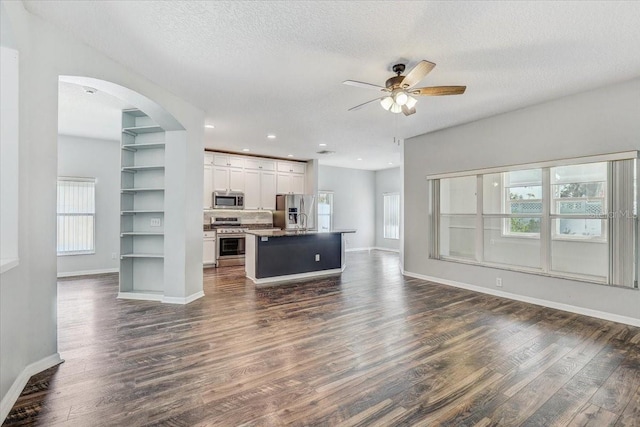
<point x="391" y="216"/>
<point x="76" y="216"/>
<point x="325" y="211"/>
<point x="572" y="218"/>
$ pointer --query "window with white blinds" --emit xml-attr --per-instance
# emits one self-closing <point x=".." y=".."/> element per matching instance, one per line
<point x="391" y="216"/>
<point x="76" y="216"/>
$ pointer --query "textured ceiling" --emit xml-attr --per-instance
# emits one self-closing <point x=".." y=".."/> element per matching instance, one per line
<point x="277" y="67"/>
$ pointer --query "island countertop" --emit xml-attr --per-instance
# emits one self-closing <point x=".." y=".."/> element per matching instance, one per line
<point x="294" y="233"/>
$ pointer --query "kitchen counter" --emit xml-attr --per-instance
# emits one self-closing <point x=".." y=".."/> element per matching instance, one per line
<point x="276" y="256"/>
<point x="288" y="233"/>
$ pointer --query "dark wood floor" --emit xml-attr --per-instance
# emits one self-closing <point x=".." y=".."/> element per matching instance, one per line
<point x="369" y="348"/>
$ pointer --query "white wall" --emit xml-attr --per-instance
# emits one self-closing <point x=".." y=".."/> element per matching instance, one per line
<point x="387" y="181"/>
<point x="601" y="121"/>
<point x="100" y="159"/>
<point x="28" y="338"/>
<point x="353" y="202"/>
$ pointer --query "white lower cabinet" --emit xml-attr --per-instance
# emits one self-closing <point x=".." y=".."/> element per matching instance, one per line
<point x="209" y="248"/>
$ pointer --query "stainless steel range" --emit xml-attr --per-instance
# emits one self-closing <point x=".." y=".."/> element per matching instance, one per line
<point x="230" y="239"/>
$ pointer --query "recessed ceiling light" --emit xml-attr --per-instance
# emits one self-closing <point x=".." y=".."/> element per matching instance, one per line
<point x="359" y="158"/>
<point x="210" y="126"/>
<point x="289" y="155"/>
<point x="322" y="145"/>
<point x="245" y="149"/>
<point x="390" y="163"/>
<point x="271" y="136"/>
<point x="89" y="90"/>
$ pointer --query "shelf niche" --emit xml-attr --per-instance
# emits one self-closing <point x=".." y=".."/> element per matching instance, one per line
<point x="142" y="207"/>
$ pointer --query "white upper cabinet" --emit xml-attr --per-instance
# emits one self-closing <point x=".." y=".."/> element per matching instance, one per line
<point x="259" y="164"/>
<point x="208" y="158"/>
<point x="259" y="178"/>
<point x="293" y="167"/>
<point x="228" y="160"/>
<point x="260" y="189"/>
<point x="228" y="179"/>
<point x="207" y="192"/>
<point x="236" y="179"/>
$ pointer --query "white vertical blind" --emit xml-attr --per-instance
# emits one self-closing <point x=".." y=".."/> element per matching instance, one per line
<point x="392" y="216"/>
<point x="76" y="216"/>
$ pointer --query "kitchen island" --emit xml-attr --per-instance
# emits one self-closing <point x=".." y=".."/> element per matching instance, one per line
<point x="273" y="256"/>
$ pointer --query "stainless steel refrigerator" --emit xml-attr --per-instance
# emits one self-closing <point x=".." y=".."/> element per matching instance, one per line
<point x="295" y="212"/>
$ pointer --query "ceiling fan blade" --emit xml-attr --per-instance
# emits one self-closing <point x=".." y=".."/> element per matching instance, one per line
<point x="357" y="107"/>
<point x="438" y="90"/>
<point x="408" y="111"/>
<point x="417" y="73"/>
<point x="363" y="85"/>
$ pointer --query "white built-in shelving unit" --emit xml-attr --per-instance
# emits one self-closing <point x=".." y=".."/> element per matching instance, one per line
<point x="142" y="206"/>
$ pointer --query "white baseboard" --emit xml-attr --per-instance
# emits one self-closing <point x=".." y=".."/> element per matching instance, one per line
<point x="87" y="272"/>
<point x="141" y="296"/>
<point x="379" y="248"/>
<point x="16" y="388"/>
<point x="370" y="248"/>
<point x="299" y="276"/>
<point x="531" y="300"/>
<point x="186" y="300"/>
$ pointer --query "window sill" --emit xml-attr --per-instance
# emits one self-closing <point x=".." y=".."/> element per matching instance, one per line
<point x="7" y="264"/>
<point x="76" y="253"/>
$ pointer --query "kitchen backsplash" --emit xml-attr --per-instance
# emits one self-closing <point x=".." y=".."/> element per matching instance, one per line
<point x="245" y="216"/>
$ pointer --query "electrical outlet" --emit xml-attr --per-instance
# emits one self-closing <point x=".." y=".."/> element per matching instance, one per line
<point x="156" y="222"/>
<point x="499" y="282"/>
<point x="114" y="255"/>
<point x="317" y="257"/>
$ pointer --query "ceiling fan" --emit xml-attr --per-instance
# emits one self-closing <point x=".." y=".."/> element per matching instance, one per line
<point x="399" y="90"/>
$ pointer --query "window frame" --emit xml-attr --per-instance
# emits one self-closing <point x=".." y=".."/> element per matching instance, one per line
<point x="385" y="196"/>
<point x="330" y="214"/>
<point x="613" y="226"/>
<point x="91" y="251"/>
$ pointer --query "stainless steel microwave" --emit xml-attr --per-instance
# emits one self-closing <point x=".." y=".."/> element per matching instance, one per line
<point x="228" y="200"/>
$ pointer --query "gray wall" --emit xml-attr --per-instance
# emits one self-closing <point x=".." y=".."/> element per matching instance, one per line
<point x="601" y="121"/>
<point x="28" y="325"/>
<point x="353" y="202"/>
<point x="387" y="181"/>
<point x="100" y="159"/>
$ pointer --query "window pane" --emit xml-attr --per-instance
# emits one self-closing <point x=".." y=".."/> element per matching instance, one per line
<point x="458" y="236"/>
<point x="579" y="228"/>
<point x="458" y="195"/>
<point x="585" y="257"/>
<point x="391" y="216"/>
<point x="579" y="189"/>
<point x="505" y="248"/>
<point x="513" y="192"/>
<point x="76" y="216"/>
<point x="325" y="211"/>
<point x="522" y="225"/>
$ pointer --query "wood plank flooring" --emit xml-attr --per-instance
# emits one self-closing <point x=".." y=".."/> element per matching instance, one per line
<point x="367" y="348"/>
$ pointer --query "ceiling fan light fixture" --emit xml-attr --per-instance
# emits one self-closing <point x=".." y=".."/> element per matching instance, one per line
<point x="386" y="102"/>
<point x="401" y="97"/>
<point x="411" y="102"/>
<point x="395" y="108"/>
